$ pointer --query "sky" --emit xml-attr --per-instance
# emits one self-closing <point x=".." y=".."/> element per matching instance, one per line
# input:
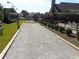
<point x="41" y="6"/>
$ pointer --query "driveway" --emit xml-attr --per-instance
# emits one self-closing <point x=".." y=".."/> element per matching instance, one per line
<point x="36" y="42"/>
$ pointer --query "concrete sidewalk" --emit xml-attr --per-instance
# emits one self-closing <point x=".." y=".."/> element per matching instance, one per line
<point x="36" y="42"/>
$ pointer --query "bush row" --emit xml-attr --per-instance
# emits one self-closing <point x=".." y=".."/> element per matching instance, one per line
<point x="61" y="29"/>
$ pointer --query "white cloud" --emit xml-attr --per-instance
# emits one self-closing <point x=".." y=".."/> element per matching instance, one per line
<point x="32" y="5"/>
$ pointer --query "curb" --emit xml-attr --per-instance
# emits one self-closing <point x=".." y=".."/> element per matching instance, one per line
<point x="67" y="42"/>
<point x="3" y="53"/>
<point x="72" y="45"/>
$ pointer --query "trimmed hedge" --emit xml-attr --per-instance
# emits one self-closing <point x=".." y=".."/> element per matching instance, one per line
<point x="68" y="31"/>
<point x="45" y="23"/>
<point x="49" y="25"/>
<point x="61" y="29"/>
<point x="52" y="26"/>
<point x="56" y="27"/>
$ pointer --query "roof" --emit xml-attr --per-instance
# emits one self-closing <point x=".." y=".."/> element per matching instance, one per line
<point x="69" y="5"/>
<point x="73" y="7"/>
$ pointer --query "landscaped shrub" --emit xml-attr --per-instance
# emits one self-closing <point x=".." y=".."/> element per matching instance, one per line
<point x="45" y="23"/>
<point x="61" y="29"/>
<point x="77" y="35"/>
<point x="40" y="21"/>
<point x="68" y="31"/>
<point x="52" y="26"/>
<point x="56" y="27"/>
<point x="49" y="25"/>
<point x="22" y="18"/>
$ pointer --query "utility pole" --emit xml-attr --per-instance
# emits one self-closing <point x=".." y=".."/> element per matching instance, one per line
<point x="1" y="29"/>
<point x="1" y="19"/>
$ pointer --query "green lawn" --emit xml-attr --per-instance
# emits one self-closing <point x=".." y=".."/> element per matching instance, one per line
<point x="8" y="32"/>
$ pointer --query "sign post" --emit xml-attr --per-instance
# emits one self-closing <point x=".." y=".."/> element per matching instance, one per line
<point x="17" y="20"/>
<point x="18" y="23"/>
